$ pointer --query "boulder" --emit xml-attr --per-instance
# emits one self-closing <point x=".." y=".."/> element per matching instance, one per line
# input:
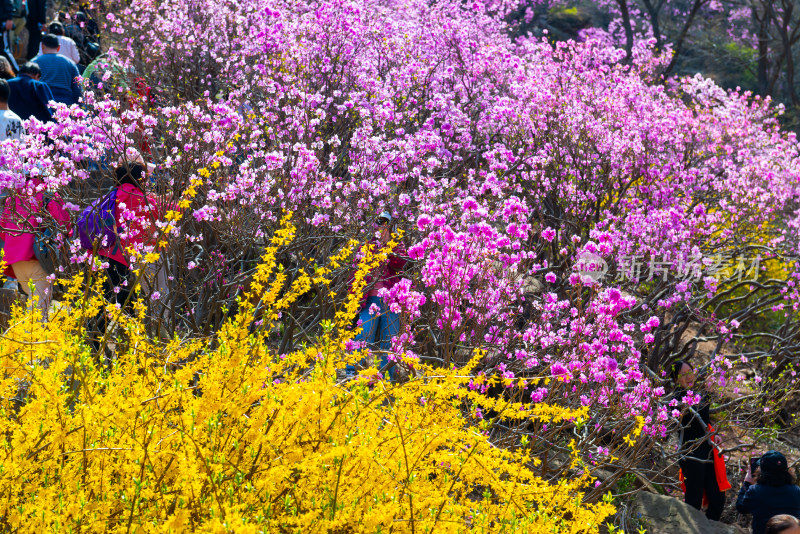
<point x="661" y="514"/>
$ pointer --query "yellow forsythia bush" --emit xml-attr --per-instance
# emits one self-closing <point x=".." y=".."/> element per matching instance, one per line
<point x="225" y="435"/>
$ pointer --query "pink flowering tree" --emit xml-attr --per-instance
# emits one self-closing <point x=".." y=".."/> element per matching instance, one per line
<point x="578" y="223"/>
<point x="751" y="44"/>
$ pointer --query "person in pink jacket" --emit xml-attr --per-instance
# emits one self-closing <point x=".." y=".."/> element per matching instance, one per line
<point x="135" y="216"/>
<point x="22" y="216"/>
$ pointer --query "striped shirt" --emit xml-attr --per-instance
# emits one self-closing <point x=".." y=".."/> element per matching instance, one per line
<point x="60" y="74"/>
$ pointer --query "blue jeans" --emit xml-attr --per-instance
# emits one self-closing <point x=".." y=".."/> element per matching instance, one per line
<point x="377" y="329"/>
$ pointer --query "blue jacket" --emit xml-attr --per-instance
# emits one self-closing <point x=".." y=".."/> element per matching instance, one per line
<point x="765" y="502"/>
<point x="60" y="74"/>
<point x="29" y="98"/>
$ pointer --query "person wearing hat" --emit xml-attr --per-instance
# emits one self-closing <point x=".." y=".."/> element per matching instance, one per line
<point x="378" y="323"/>
<point x="135" y="214"/>
<point x="775" y="492"/>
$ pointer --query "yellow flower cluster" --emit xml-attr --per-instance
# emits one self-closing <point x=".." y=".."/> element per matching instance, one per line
<point x="226" y="435"/>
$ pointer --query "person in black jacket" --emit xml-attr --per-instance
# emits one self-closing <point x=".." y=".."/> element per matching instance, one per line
<point x="37" y="17"/>
<point x="775" y="493"/>
<point x="7" y="13"/>
<point x="697" y="460"/>
<point x="29" y="95"/>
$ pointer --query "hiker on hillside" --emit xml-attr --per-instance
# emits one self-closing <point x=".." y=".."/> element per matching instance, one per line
<point x="19" y="21"/>
<point x="59" y="72"/>
<point x="35" y="22"/>
<point x="6" y="72"/>
<point x="83" y="30"/>
<point x="10" y="122"/>
<point x="68" y="48"/>
<point x="29" y="95"/>
<point x="379" y="324"/>
<point x="7" y="14"/>
<point x="122" y="220"/>
<point x="22" y="211"/>
<point x="697" y="461"/>
<point x="772" y="493"/>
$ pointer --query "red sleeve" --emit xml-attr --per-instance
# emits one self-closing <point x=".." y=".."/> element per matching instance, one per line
<point x="56" y="209"/>
<point x="139" y="229"/>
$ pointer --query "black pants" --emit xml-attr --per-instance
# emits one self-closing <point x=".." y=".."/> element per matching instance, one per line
<point x="34" y="39"/>
<point x="117" y="276"/>
<point x="700" y="477"/>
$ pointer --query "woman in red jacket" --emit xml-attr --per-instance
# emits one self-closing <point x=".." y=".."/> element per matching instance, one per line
<point x="135" y="215"/>
<point x="22" y="215"/>
<point x="135" y="226"/>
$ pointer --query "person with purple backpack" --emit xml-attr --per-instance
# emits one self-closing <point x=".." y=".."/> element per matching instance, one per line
<point x="122" y="220"/>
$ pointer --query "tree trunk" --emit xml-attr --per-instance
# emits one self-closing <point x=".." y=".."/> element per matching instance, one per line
<point x="682" y="37"/>
<point x="626" y="23"/>
<point x="653" y="11"/>
<point x="762" y="24"/>
<point x="788" y="7"/>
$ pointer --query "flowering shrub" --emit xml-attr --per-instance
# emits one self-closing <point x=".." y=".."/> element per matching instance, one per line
<point x="525" y="178"/>
<point x="227" y="434"/>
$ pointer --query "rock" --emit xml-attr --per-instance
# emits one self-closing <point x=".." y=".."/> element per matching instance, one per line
<point x="661" y="514"/>
<point x="568" y="20"/>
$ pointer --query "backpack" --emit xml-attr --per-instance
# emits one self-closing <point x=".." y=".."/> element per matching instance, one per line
<point x="96" y="223"/>
<point x="45" y="249"/>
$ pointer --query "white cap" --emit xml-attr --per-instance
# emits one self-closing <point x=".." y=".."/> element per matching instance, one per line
<point x="385" y="215"/>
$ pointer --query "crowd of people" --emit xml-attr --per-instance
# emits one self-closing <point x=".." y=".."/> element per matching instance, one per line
<point x="49" y="77"/>
<point x="57" y="55"/>
<point x="78" y="34"/>
<point x="122" y="219"/>
<point x="768" y="492"/>
<point x="53" y="77"/>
